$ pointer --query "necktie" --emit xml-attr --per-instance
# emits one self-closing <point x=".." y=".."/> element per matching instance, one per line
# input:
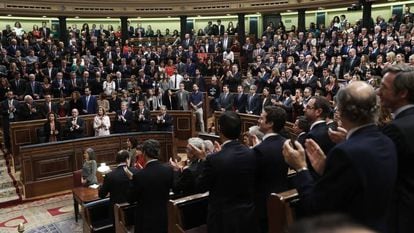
<point x="87" y="103"/>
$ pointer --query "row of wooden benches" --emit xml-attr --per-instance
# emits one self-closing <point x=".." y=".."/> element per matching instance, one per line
<point x="186" y="214"/>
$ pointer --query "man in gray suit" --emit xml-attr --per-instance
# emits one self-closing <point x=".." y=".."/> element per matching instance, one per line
<point x="226" y="100"/>
<point x="182" y="97"/>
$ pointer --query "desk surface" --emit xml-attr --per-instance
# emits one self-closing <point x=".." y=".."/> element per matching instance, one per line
<point x="85" y="194"/>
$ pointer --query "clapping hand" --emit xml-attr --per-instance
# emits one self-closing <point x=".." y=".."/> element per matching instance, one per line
<point x="128" y="173"/>
<point x="316" y="156"/>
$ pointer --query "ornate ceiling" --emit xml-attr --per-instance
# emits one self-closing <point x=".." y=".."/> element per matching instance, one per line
<point x="160" y="8"/>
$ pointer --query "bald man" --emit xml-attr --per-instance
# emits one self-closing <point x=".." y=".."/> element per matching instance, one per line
<point x="359" y="174"/>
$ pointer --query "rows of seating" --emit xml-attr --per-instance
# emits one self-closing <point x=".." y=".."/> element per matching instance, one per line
<point x="185" y="215"/>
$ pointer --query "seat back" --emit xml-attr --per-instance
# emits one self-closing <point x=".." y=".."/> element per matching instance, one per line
<point x="124" y="214"/>
<point x="77" y="178"/>
<point x="97" y="216"/>
<point x="279" y="210"/>
<point x="187" y="212"/>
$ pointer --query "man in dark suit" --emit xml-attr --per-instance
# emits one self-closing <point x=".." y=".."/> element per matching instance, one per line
<point x="18" y="86"/>
<point x="253" y="102"/>
<point x="271" y="171"/>
<point x="33" y="87"/>
<point x="29" y="110"/>
<point x="120" y="83"/>
<point x="185" y="176"/>
<point x="75" y="125"/>
<point x="60" y="87"/>
<point x="143" y="117"/>
<point x="9" y="111"/>
<point x="44" y="30"/>
<point x="89" y="102"/>
<point x="150" y="188"/>
<point x="240" y="100"/>
<point x="164" y="121"/>
<point x="123" y="120"/>
<point x="116" y="182"/>
<point x="229" y="176"/>
<point x="226" y="100"/>
<point x="48" y="106"/>
<point x="352" y="61"/>
<point x="219" y="29"/>
<point x="316" y="112"/>
<point x="359" y="174"/>
<point x="396" y="93"/>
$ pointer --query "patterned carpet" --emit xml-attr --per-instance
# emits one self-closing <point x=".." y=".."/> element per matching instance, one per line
<point x="52" y="215"/>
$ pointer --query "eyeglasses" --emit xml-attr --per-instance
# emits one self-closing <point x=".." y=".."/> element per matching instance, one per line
<point x="309" y="107"/>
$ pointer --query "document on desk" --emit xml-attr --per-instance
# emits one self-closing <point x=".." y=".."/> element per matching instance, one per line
<point x="94" y="186"/>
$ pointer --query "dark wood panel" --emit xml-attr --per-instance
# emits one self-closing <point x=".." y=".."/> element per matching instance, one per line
<point x="24" y="132"/>
<point x="48" y="167"/>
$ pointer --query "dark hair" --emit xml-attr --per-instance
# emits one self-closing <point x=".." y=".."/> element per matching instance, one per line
<point x="133" y="142"/>
<point x="277" y="116"/>
<point x="151" y="148"/>
<point x="122" y="156"/>
<point x="230" y="125"/>
<point x="303" y="123"/>
<point x="404" y="81"/>
<point x="322" y="103"/>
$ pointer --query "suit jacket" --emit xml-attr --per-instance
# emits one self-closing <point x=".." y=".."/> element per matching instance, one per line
<point x="226" y="102"/>
<point x="150" y="188"/>
<point x="91" y="107"/>
<point x="116" y="183"/>
<point x="358" y="180"/>
<point x="349" y="65"/>
<point x="401" y="131"/>
<point x="44" y="109"/>
<point x="240" y="102"/>
<point x="18" y="89"/>
<point x="143" y="123"/>
<point x="229" y="176"/>
<point x="26" y="114"/>
<point x="182" y="99"/>
<point x="166" y="124"/>
<point x="319" y="133"/>
<point x="185" y="181"/>
<point x="5" y="110"/>
<point x="271" y="175"/>
<point x="253" y="104"/>
<point x="73" y="133"/>
<point x="123" y="126"/>
<point x="36" y="90"/>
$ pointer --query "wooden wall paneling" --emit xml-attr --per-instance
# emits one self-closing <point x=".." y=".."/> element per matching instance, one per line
<point x="48" y="167"/>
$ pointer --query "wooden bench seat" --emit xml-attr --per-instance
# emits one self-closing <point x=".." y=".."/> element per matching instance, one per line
<point x="280" y="212"/>
<point x="96" y="217"/>
<point x="188" y="214"/>
<point x="124" y="217"/>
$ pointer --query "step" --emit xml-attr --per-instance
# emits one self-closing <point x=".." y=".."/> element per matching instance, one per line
<point x="11" y="198"/>
<point x="8" y="192"/>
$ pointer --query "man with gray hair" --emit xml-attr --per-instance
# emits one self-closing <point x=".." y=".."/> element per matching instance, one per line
<point x="185" y="176"/>
<point x="397" y="94"/>
<point x="359" y="174"/>
<point x="29" y="110"/>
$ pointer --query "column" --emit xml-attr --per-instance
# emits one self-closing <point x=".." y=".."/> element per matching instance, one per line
<point x="366" y="15"/>
<point x="241" y="30"/>
<point x="63" y="30"/>
<point x="124" y="28"/>
<point x="183" y="26"/>
<point x="301" y="20"/>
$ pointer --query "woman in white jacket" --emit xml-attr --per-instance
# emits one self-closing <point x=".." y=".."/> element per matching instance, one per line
<point x="101" y="123"/>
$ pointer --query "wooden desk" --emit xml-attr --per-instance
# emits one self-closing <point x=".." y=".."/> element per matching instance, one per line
<point x="83" y="195"/>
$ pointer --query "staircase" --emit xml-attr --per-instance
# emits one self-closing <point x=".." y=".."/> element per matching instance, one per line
<point x="9" y="192"/>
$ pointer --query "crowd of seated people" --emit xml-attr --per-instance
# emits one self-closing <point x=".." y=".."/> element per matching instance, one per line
<point x="299" y="73"/>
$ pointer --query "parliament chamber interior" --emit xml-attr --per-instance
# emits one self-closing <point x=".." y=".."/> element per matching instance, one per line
<point x="207" y="116"/>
